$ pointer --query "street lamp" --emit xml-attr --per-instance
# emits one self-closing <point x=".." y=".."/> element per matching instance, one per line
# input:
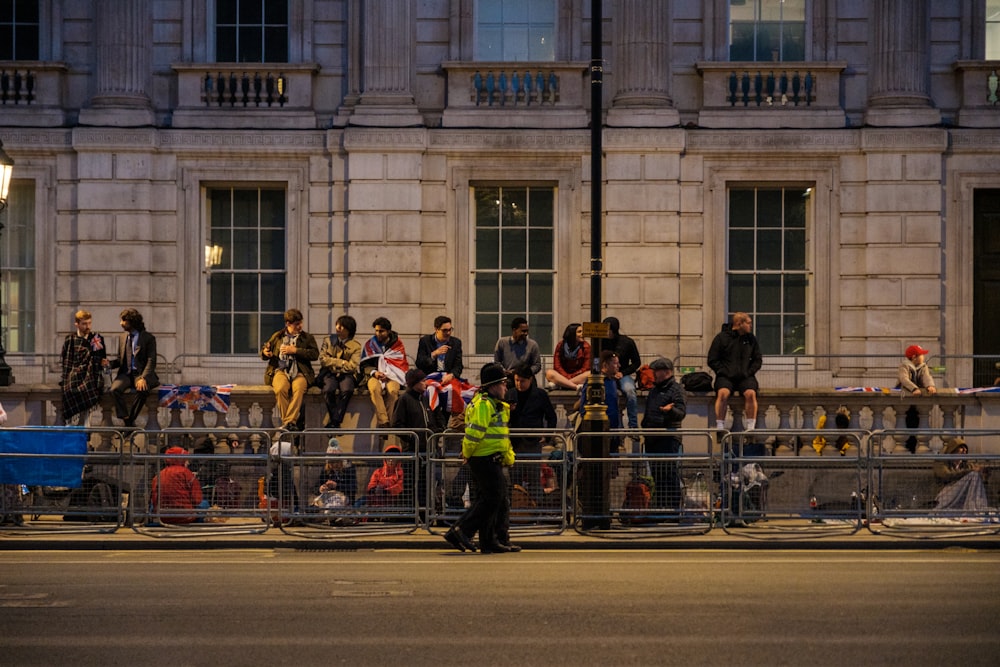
<point x="6" y="173"/>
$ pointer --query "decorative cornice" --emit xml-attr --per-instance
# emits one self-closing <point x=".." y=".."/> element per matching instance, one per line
<point x="370" y="138"/>
<point x="776" y="141"/>
<point x="909" y="139"/>
<point x="673" y="140"/>
<point x="118" y="138"/>
<point x="976" y="140"/>
<point x="26" y="138"/>
<point x="214" y="139"/>
<point x="529" y="140"/>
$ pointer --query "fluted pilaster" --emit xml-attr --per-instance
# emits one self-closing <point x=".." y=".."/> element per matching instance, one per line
<point x="900" y="65"/>
<point x="641" y="74"/>
<point x="386" y="69"/>
<point x="122" y="67"/>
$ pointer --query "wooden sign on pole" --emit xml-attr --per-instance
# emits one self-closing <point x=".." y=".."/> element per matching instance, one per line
<point x="596" y="330"/>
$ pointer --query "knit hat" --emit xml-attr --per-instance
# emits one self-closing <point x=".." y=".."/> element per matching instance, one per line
<point x="914" y="350"/>
<point x="413" y="376"/>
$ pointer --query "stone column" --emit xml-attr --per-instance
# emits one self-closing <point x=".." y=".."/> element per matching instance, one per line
<point x="386" y="69"/>
<point x="640" y="70"/>
<point x="899" y="75"/>
<point x="122" y="72"/>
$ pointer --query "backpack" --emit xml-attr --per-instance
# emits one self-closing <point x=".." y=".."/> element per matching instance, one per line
<point x="96" y="500"/>
<point x="644" y="378"/>
<point x="520" y="499"/>
<point x="697" y="381"/>
<point x="638" y="496"/>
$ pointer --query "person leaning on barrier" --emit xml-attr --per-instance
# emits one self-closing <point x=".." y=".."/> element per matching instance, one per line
<point x="487" y="449"/>
<point x="962" y="482"/>
<point x="914" y="376"/>
<point x="665" y="409"/>
<point x="531" y="409"/>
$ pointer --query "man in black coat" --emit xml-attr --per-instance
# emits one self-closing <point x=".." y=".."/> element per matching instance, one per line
<point x="531" y="408"/>
<point x="665" y="409"/>
<point x="735" y="357"/>
<point x="412" y="411"/>
<point x="628" y="360"/>
<point x="136" y="366"/>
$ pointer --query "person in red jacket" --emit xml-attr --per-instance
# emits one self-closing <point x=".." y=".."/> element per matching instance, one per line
<point x="175" y="489"/>
<point x="385" y="487"/>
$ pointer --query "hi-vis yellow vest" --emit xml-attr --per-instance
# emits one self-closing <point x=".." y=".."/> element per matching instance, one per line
<point x="486" y="428"/>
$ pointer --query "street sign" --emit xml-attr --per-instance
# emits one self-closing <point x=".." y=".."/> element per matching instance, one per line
<point x="596" y="330"/>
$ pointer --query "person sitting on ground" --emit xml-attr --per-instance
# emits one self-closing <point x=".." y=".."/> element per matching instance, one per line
<point x="385" y="486"/>
<point x="175" y="490"/>
<point x="914" y="376"/>
<point x="963" y="482"/>
<point x="571" y="360"/>
<point x="339" y="475"/>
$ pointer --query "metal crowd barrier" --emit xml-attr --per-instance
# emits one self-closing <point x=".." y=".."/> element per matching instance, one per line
<point x="905" y="490"/>
<point x="717" y="478"/>
<point x="816" y="491"/>
<point x="647" y="493"/>
<point x="538" y="482"/>
<point x="96" y="502"/>
<point x="344" y="511"/>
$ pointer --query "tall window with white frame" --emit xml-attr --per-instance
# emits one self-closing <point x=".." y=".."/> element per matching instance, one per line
<point x="19" y="30"/>
<point x="992" y="29"/>
<point x="767" y="30"/>
<point x="251" y="31"/>
<point x="768" y="272"/>
<point x="17" y="260"/>
<point x="514" y="271"/>
<point x="245" y="259"/>
<point x="515" y="30"/>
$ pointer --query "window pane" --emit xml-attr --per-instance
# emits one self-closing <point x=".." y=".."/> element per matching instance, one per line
<point x="515" y="207"/>
<point x="488" y="331"/>
<point x="539" y="294"/>
<point x="276" y="11"/>
<point x="489" y="11"/>
<point x="276" y="45"/>
<point x="741" y="208"/>
<point x="741" y="250"/>
<point x="795" y="250"/>
<point x="513" y="293"/>
<point x="250" y="44"/>
<point x="251" y="11"/>
<point x="17" y="270"/>
<point x="793" y="10"/>
<point x="795" y="335"/>
<point x="741" y="292"/>
<point x="769" y="250"/>
<point x="225" y="11"/>
<point x="487" y="293"/>
<point x="795" y="293"/>
<point x="741" y="10"/>
<point x="488" y="249"/>
<point x="769" y="293"/>
<point x="250" y="287"/>
<point x="741" y="41"/>
<point x="769" y="208"/>
<point x="793" y="42"/>
<point x="225" y="44"/>
<point x="768" y="331"/>
<point x="770" y="10"/>
<point x="514" y="249"/>
<point x="540" y="249"/>
<point x="541" y="207"/>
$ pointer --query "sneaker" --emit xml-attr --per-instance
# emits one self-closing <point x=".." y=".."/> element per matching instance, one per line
<point x="550" y="386"/>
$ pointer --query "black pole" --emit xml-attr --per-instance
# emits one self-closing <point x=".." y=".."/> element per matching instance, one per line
<point x="6" y="373"/>
<point x="594" y="483"/>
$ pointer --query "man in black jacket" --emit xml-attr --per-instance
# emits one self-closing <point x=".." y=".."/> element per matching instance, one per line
<point x="628" y="360"/>
<point x="413" y="412"/>
<point x="665" y="409"/>
<point x="735" y="357"/>
<point x="530" y="408"/>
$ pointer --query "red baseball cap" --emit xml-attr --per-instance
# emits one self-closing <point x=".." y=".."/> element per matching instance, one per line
<point x="914" y="350"/>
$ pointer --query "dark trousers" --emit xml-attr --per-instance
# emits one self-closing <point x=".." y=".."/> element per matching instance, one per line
<point x="337" y="392"/>
<point x="128" y="413"/>
<point x="666" y="471"/>
<point x="488" y="501"/>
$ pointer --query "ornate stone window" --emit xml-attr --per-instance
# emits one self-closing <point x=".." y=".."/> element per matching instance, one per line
<point x="251" y="31"/>
<point x="18" y="262"/>
<point x="515" y="30"/>
<point x="514" y="272"/>
<point x="767" y="272"/>
<point x="767" y="30"/>
<point x="245" y="258"/>
<point x="992" y="29"/>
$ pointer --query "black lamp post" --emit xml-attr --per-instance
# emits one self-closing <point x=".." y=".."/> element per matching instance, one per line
<point x="6" y="172"/>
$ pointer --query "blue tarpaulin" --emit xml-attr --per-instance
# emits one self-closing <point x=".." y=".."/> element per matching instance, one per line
<point x="42" y="470"/>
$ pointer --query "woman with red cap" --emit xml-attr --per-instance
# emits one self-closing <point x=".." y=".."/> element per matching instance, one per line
<point x="914" y="375"/>
<point x="176" y="489"/>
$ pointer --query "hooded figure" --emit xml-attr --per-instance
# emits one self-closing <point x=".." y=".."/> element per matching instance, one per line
<point x="963" y="481"/>
<point x="175" y="489"/>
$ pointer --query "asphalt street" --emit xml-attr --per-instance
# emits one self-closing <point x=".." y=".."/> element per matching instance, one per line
<point x="540" y="607"/>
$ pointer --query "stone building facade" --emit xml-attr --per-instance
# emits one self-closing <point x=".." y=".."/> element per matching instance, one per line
<point x="841" y="189"/>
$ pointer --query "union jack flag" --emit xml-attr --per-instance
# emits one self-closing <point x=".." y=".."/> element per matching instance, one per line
<point x="203" y="397"/>
<point x="979" y="390"/>
<point x="870" y="390"/>
<point x="444" y="394"/>
<point x="391" y="361"/>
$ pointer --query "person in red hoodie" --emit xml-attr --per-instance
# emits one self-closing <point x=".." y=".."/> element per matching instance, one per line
<point x="385" y="486"/>
<point x="175" y="489"/>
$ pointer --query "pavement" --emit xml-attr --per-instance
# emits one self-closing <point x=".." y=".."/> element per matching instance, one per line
<point x="44" y="535"/>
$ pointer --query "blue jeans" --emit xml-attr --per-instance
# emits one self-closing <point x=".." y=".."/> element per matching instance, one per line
<point x="627" y="383"/>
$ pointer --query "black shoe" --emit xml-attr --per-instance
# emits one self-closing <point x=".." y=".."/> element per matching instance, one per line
<point x="512" y="548"/>
<point x="457" y="539"/>
<point x="494" y="549"/>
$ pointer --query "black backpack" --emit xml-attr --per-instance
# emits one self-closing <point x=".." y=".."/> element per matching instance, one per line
<point x="97" y="499"/>
<point x="697" y="381"/>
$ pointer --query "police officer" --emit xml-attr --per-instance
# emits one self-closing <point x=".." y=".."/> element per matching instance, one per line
<point x="486" y="448"/>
